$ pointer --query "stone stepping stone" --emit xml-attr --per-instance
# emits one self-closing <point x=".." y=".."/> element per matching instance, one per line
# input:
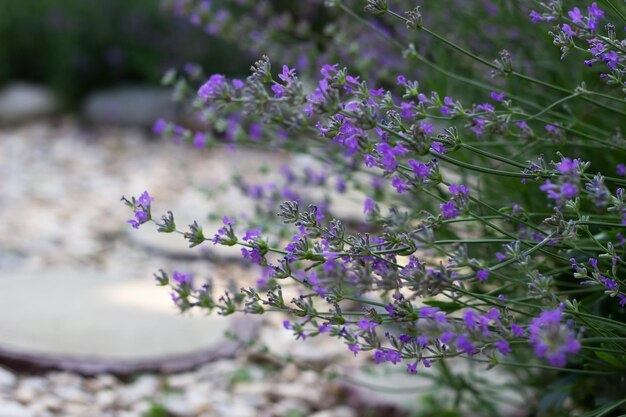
<point x="386" y="387"/>
<point x="88" y="321"/>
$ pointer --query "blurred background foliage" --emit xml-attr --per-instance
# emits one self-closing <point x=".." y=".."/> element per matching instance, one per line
<point x="76" y="46"/>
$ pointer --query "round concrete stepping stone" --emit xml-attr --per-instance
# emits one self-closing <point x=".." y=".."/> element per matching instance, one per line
<point x="92" y="318"/>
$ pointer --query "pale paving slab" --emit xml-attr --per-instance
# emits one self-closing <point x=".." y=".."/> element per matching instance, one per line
<point x="90" y="314"/>
<point x="387" y="384"/>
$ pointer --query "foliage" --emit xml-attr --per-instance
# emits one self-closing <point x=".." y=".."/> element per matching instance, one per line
<point x="80" y="45"/>
<point x="493" y="219"/>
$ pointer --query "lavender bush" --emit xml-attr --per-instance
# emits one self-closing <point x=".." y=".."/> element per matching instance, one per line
<point x="491" y="171"/>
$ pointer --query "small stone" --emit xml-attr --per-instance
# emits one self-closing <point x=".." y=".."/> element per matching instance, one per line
<point x="341" y="411"/>
<point x="13" y="409"/>
<point x="37" y="408"/>
<point x="101" y="382"/>
<point x="310" y="394"/>
<point x="21" y="101"/>
<point x="179" y="381"/>
<point x="7" y="379"/>
<point x="78" y="410"/>
<point x="219" y="371"/>
<point x="71" y="394"/>
<point x="105" y="398"/>
<point x="145" y="386"/>
<point x="252" y="388"/>
<point x="25" y="395"/>
<point x="36" y="383"/>
<point x="200" y="400"/>
<point x="141" y="408"/>
<point x="309" y="378"/>
<point x="288" y="406"/>
<point x="290" y="372"/>
<point x="235" y="409"/>
<point x="65" y="379"/>
<point x="177" y="405"/>
<point x="129" y="105"/>
<point x="50" y="403"/>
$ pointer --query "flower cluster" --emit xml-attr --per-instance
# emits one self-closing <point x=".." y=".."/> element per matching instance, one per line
<point x="447" y="177"/>
<point x="141" y="208"/>
<point x="581" y="31"/>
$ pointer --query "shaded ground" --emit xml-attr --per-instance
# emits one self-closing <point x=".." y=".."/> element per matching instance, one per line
<point x="77" y="278"/>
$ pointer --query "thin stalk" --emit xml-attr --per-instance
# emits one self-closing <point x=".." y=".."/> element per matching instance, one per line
<point x="513" y="73"/>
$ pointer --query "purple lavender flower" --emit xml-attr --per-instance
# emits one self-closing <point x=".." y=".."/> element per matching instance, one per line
<point x="448" y="210"/>
<point x="595" y="14"/>
<point x="552" y="340"/>
<point x="482" y="275"/>
<point x="238" y="84"/>
<point x="567" y="29"/>
<point x="538" y="17"/>
<point x="253" y="256"/>
<point x="145" y="200"/>
<point x="568" y="166"/>
<point x="393" y="356"/>
<point x="420" y="170"/>
<point x="465" y="345"/>
<point x="517" y="330"/>
<point x="159" y="127"/>
<point x="387" y="355"/>
<point x="182" y="279"/>
<point x="388" y="155"/>
<point x="213" y="89"/>
<point x="576" y="15"/>
<point x="140" y="218"/>
<point x="278" y="90"/>
<point x="369" y="206"/>
<point x="252" y="234"/>
<point x="433" y="313"/>
<point x="406" y="110"/>
<point x="438" y="148"/>
<point x="411" y="368"/>
<point x="328" y="71"/>
<point x="459" y="190"/>
<point x="559" y="193"/>
<point x="503" y="347"/>
<point x="400" y="185"/>
<point x="390" y="309"/>
<point x="325" y="328"/>
<point x="367" y="325"/>
<point x="499" y="97"/>
<point x="611" y="59"/>
<point x="141" y="207"/>
<point x="316" y="283"/>
<point x="287" y="75"/>
<point x="199" y="140"/>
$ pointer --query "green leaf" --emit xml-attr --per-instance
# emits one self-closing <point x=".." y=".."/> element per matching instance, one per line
<point x="447" y="306"/>
<point x="604" y="410"/>
<point x="607" y="357"/>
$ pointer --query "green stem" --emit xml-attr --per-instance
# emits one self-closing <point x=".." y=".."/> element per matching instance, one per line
<point x="551" y="106"/>
<point x="552" y="368"/>
<point x="513" y="73"/>
<point x="616" y="10"/>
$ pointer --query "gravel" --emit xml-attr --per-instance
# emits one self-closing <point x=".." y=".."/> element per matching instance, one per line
<point x="61" y="187"/>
